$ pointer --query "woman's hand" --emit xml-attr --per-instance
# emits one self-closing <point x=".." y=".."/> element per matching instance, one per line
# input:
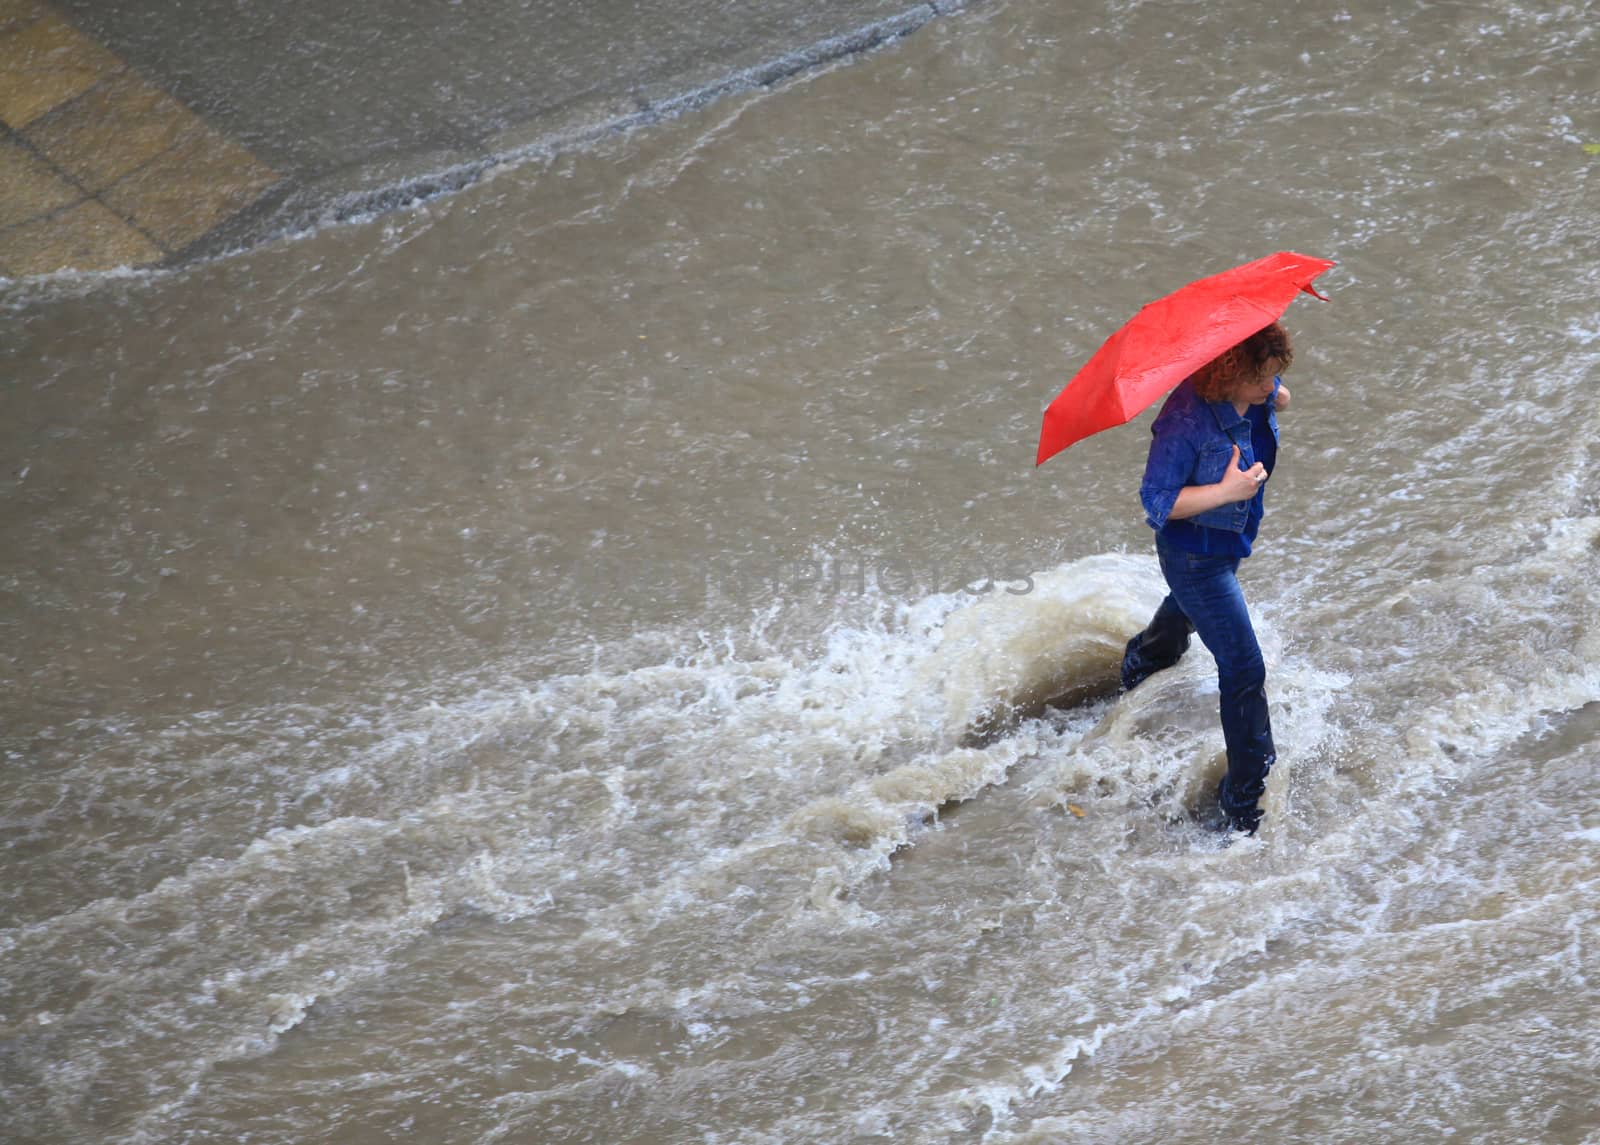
<point x="1236" y="485"/>
<point x="1281" y="401"/>
<point x="1240" y="484"/>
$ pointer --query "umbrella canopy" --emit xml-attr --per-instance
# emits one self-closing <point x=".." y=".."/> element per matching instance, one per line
<point x="1169" y="339"/>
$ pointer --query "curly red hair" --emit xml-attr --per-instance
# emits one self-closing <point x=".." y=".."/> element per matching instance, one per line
<point x="1216" y="380"/>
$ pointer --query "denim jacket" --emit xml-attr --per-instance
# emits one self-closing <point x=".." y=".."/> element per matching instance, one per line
<point x="1192" y="442"/>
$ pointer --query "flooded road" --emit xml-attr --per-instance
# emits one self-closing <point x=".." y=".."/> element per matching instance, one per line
<point x="565" y="663"/>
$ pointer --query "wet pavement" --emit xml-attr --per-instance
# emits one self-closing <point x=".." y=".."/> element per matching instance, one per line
<point x="132" y="137"/>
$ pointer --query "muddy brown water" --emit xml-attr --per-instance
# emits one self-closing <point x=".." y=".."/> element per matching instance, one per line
<point x="503" y="672"/>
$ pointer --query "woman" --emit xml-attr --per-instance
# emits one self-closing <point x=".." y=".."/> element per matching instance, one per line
<point x="1216" y="442"/>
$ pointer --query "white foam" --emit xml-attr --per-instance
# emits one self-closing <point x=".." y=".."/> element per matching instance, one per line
<point x="1552" y="584"/>
<point x="1062" y="641"/>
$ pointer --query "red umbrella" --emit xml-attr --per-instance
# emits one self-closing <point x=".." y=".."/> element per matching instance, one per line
<point x="1169" y="339"/>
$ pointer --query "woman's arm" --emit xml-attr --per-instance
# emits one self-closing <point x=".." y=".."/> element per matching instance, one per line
<point x="1236" y="485"/>
<point x="1280" y="398"/>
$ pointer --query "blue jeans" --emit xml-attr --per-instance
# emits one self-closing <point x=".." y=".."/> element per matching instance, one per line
<point x="1205" y="598"/>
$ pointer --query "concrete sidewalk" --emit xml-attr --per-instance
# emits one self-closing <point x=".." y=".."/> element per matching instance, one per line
<point x="136" y="137"/>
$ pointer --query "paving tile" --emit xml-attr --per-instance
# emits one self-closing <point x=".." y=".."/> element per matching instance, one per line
<point x="29" y="186"/>
<point x="44" y="64"/>
<point x="114" y="127"/>
<point x="183" y="193"/>
<point x="86" y="237"/>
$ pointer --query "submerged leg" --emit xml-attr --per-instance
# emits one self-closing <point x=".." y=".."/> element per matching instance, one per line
<point x="1208" y="591"/>
<point x="1160" y="645"/>
<point x="1247" y="727"/>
